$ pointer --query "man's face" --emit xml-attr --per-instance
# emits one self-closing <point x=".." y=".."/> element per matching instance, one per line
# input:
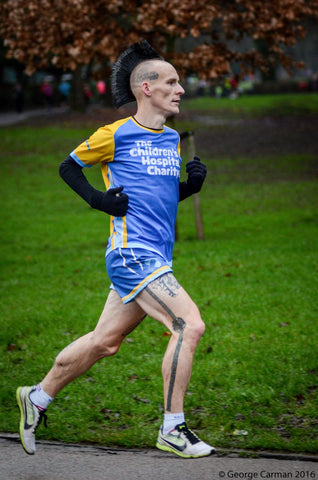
<point x="166" y="91"/>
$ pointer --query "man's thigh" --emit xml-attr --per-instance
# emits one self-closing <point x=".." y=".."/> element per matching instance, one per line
<point x="118" y="319"/>
<point x="165" y="300"/>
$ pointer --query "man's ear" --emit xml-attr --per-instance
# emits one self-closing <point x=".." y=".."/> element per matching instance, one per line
<point x="145" y="87"/>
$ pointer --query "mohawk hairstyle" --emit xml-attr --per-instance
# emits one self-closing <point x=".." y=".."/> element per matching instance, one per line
<point x="122" y="68"/>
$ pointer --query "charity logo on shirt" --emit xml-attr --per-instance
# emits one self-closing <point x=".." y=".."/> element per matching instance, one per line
<point x="157" y="161"/>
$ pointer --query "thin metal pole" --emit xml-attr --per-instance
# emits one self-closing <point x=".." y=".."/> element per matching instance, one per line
<point x="195" y="196"/>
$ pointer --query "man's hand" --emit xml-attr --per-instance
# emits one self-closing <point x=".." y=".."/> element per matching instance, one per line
<point x="113" y="202"/>
<point x="196" y="171"/>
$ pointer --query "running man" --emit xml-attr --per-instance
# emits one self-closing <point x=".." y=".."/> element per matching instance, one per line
<point x="140" y="163"/>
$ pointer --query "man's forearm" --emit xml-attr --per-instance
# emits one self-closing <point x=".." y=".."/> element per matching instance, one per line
<point x="72" y="174"/>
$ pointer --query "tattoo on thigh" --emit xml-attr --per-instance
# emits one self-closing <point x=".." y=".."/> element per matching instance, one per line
<point x="166" y="283"/>
<point x="178" y="325"/>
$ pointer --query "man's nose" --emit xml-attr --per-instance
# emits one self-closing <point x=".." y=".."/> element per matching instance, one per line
<point x="181" y="90"/>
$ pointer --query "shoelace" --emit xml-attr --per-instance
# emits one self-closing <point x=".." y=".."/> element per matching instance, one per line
<point x="183" y="428"/>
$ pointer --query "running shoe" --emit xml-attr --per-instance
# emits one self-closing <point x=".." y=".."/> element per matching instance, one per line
<point x="183" y="442"/>
<point x="31" y="417"/>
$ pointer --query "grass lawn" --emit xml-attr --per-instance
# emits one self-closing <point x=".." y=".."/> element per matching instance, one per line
<point x="254" y="278"/>
<point x="255" y="105"/>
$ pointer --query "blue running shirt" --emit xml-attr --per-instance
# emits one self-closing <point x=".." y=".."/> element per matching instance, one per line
<point x="147" y="163"/>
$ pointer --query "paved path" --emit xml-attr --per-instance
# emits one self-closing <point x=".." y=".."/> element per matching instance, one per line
<point x="12" y="118"/>
<point x="57" y="461"/>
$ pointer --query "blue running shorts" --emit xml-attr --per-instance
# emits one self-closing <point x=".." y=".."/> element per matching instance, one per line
<point x="131" y="269"/>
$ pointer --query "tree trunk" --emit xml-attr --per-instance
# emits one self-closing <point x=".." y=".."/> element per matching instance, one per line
<point x="77" y="98"/>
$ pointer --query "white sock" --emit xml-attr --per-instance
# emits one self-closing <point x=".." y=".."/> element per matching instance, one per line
<point x="40" y="398"/>
<point x="170" y="420"/>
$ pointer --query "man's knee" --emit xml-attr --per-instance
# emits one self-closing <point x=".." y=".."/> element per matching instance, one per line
<point x="196" y="321"/>
<point x="200" y="327"/>
<point x="95" y="347"/>
<point x="105" y="347"/>
<point x="194" y="330"/>
<point x="191" y="325"/>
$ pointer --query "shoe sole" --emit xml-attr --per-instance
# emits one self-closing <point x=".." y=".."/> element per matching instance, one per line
<point x="165" y="448"/>
<point x="21" y="426"/>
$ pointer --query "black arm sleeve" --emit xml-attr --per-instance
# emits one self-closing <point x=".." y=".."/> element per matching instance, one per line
<point x="185" y="191"/>
<point x="72" y="174"/>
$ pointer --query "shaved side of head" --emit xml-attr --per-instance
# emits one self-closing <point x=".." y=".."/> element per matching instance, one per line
<point x="145" y="71"/>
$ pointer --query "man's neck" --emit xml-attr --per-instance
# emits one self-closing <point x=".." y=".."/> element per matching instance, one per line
<point x="150" y="119"/>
